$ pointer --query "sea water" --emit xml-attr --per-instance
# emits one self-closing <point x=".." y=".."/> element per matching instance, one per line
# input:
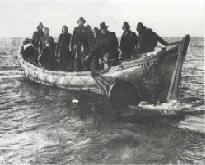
<point x="43" y="125"/>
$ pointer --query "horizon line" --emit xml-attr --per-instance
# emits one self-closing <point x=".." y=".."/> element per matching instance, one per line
<point x="117" y="36"/>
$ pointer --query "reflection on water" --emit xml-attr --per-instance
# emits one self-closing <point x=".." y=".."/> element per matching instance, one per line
<point x="40" y="125"/>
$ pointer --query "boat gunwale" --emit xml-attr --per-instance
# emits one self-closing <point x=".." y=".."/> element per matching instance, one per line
<point x="123" y="66"/>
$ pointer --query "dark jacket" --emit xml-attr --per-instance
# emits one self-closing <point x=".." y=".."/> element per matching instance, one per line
<point x="107" y="43"/>
<point x="47" y="58"/>
<point x="28" y="53"/>
<point x="37" y="36"/>
<point x="48" y="43"/>
<point x="142" y="41"/>
<point x="148" y="40"/>
<point x="63" y="50"/>
<point x="80" y="38"/>
<point x="128" y="41"/>
<point x="153" y="38"/>
<point x="93" y="42"/>
<point x="63" y="42"/>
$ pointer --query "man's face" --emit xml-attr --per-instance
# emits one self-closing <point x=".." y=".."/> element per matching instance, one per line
<point x="80" y="23"/>
<point x="125" y="29"/>
<point x="64" y="30"/>
<point x="40" y="28"/>
<point x="46" y="31"/>
<point x="103" y="31"/>
<point x="139" y="28"/>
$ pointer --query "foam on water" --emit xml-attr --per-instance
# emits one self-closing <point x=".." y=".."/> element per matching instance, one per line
<point x="172" y="105"/>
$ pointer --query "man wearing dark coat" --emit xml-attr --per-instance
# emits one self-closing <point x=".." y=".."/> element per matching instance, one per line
<point x="28" y="51"/>
<point x="96" y="32"/>
<point x="95" y="36"/>
<point x="148" y="39"/>
<point x="153" y="38"/>
<point x="106" y="46"/>
<point x="37" y="36"/>
<point x="128" y="42"/>
<point x="47" y="58"/>
<point x="63" y="50"/>
<point x="80" y="43"/>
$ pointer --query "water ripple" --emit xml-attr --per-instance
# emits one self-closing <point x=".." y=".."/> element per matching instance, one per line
<point x="41" y="125"/>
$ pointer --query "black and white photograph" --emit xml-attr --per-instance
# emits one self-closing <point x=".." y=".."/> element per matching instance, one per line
<point x="102" y="82"/>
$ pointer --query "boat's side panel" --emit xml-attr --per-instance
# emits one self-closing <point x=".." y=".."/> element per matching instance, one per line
<point x="73" y="81"/>
<point x="156" y="82"/>
<point x="151" y="76"/>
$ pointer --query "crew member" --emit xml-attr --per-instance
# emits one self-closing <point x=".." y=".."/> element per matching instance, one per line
<point x="37" y="36"/>
<point x="128" y="42"/>
<point x="148" y="39"/>
<point x="106" y="47"/>
<point x="47" y="58"/>
<point x="80" y="44"/>
<point x="63" y="50"/>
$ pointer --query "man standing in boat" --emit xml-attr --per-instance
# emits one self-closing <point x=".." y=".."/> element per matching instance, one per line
<point x="62" y="49"/>
<point x="106" y="47"/>
<point x="128" y="42"/>
<point x="80" y="43"/>
<point x="47" y="58"/>
<point x="37" y="37"/>
<point x="148" y="39"/>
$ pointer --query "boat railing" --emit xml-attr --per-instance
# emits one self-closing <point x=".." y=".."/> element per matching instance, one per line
<point x="137" y="61"/>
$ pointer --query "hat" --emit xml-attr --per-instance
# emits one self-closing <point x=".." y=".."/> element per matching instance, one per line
<point x="140" y="24"/>
<point x="40" y="25"/>
<point x="26" y="41"/>
<point x="126" y="25"/>
<point x="89" y="27"/>
<point x="46" y="29"/>
<point x="140" y="27"/>
<point x="81" y="19"/>
<point x="95" y="28"/>
<point x="103" y="25"/>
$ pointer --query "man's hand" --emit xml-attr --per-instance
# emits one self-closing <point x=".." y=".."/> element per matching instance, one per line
<point x="101" y="61"/>
<point x="106" y="57"/>
<point x="86" y="57"/>
<point x="57" y="53"/>
<point x="120" y="54"/>
<point x="75" y="48"/>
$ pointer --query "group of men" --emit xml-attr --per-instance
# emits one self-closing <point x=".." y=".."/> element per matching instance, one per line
<point x="88" y="49"/>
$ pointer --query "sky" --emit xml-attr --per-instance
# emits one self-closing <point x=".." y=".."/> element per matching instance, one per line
<point x="171" y="18"/>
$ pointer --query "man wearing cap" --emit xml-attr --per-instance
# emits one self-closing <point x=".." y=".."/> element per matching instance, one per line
<point x="106" y="46"/>
<point x="148" y="39"/>
<point x="47" y="58"/>
<point x="80" y="43"/>
<point x="153" y="38"/>
<point x="128" y="42"/>
<point x="142" y="39"/>
<point x="37" y="36"/>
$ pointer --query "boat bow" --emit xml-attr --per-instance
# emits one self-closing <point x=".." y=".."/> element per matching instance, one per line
<point x="154" y="77"/>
